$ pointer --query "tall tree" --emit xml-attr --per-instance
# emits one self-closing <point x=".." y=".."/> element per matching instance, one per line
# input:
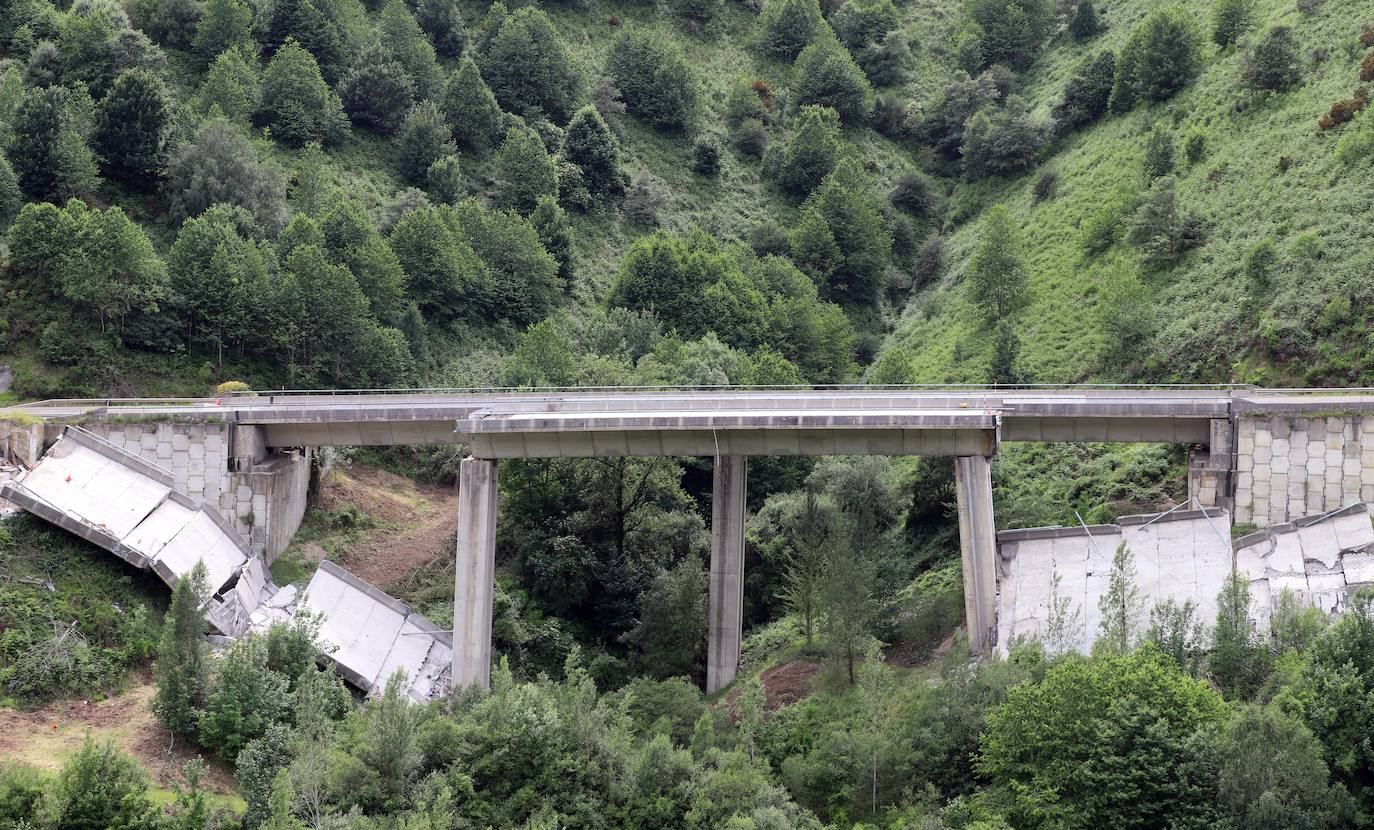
<point x="424" y="139"/>
<point x="787" y="26"/>
<point x="1162" y="55"/>
<point x="1121" y="604"/>
<point x="352" y="240"/>
<point x="1238" y="661"/>
<point x="524" y="171"/>
<point x="471" y="109"/>
<point x="589" y="144"/>
<point x="181" y="671"/>
<point x="527" y="65"/>
<point x="827" y="76"/>
<point x="996" y="274"/>
<point x="226" y="24"/>
<point x="132" y="125"/>
<point x="403" y="41"/>
<point x="810" y="154"/>
<point x="49" y="154"/>
<point x="221" y="166"/>
<point x="297" y="104"/>
<point x="378" y="92"/>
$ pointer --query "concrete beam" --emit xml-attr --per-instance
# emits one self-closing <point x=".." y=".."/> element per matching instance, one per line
<point x="727" y="570"/>
<point x="475" y="572"/>
<point x="978" y="545"/>
<point x="698" y="442"/>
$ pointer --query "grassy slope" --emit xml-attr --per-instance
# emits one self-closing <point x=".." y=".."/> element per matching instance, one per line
<point x="1201" y="325"/>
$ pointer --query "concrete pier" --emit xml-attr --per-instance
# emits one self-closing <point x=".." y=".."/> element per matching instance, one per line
<point x="978" y="544"/>
<point x="475" y="572"/>
<point x="727" y="570"/>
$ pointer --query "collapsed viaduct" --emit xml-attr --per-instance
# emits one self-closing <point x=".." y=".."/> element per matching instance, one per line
<point x="1267" y="456"/>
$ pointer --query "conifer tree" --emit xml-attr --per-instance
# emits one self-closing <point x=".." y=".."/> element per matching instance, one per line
<point x="827" y="76"/>
<point x="444" y="180"/>
<point x="443" y="22"/>
<point x="310" y="25"/>
<point x="787" y="26"/>
<point x="424" y="139"/>
<point x="1084" y="24"/>
<point x="812" y="151"/>
<point x="181" y="671"/>
<point x="233" y="84"/>
<point x="1121" y="604"/>
<point x="550" y="221"/>
<point x="589" y="144"/>
<point x="378" y="93"/>
<point x="1159" y="153"/>
<point x="1230" y="19"/>
<point x="471" y="109"/>
<point x="226" y="24"/>
<point x="50" y="157"/>
<point x="297" y="104"/>
<point x="526" y="64"/>
<point x="524" y="171"/>
<point x="132" y="123"/>
<point x="654" y="79"/>
<point x="403" y="41"/>
<point x="352" y="240"/>
<point x="1163" y="54"/>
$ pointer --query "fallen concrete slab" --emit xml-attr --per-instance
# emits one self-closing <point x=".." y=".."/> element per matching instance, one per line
<point x="128" y="506"/>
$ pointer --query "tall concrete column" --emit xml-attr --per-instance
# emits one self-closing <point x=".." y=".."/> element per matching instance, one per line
<point x="727" y="570"/>
<point x="978" y="544"/>
<point x="475" y="572"/>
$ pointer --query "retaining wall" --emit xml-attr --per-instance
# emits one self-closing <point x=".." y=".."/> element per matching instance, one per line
<point x="1289" y="467"/>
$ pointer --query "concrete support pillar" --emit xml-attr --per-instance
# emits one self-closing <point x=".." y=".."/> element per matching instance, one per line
<point x="978" y="544"/>
<point x="727" y="571"/>
<point x="474" y="574"/>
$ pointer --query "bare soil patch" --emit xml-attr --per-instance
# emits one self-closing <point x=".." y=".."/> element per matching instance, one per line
<point x="415" y="523"/>
<point x="47" y="737"/>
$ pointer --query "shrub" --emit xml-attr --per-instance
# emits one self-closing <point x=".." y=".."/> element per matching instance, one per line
<point x="643" y="200"/>
<point x="1011" y="32"/>
<point x="1343" y="111"/>
<point x="1001" y="141"/>
<point x="1088" y="92"/>
<point x="1357" y="145"/>
<point x="527" y="65"/>
<point x="589" y="144"/>
<point x="471" y="109"/>
<point x="1195" y="147"/>
<point x="706" y="156"/>
<point x="1159" y="153"/>
<point x="654" y="79"/>
<point x="1259" y="263"/>
<point x="424" y="139"/>
<point x="524" y="171"/>
<point x="750" y="137"/>
<point x="887" y="63"/>
<point x="916" y="193"/>
<point x="377" y="93"/>
<point x="1367" y="68"/>
<point x="1160" y="229"/>
<point x="1274" y="63"/>
<point x="746" y="100"/>
<point x="296" y="102"/>
<point x="862" y="23"/>
<point x="1046" y="185"/>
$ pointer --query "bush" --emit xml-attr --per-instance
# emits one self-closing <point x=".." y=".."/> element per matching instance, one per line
<point x="1357" y="145"/>
<point x="527" y="65"/>
<point x="377" y="93"/>
<point x="916" y="193"/>
<point x="1002" y="141"/>
<point x="1159" y="153"/>
<point x="748" y="100"/>
<point x="1011" y="32"/>
<point x="1046" y="185"/>
<point x="524" y="171"/>
<point x="706" y="156"/>
<point x="590" y="146"/>
<point x="424" y="139"/>
<point x="750" y="137"/>
<point x="643" y="200"/>
<point x="887" y="63"/>
<point x="1088" y="92"/>
<point x="1274" y="63"/>
<point x="1084" y="25"/>
<point x="1343" y="111"/>
<point x="297" y="104"/>
<point x="471" y="109"/>
<point x="862" y="23"/>
<point x="1195" y="147"/>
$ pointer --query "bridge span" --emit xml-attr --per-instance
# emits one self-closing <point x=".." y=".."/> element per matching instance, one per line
<point x="1245" y="455"/>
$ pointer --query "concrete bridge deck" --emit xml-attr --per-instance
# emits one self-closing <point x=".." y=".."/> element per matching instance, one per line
<point x="1086" y="413"/>
<point x="967" y="423"/>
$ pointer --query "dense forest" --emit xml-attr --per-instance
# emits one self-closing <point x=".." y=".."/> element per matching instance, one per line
<point x="336" y="193"/>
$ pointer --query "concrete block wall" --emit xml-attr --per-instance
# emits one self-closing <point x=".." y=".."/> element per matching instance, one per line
<point x="1289" y="467"/>
<point x="229" y="467"/>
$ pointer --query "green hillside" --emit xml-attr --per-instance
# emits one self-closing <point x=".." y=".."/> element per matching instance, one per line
<point x="1268" y="173"/>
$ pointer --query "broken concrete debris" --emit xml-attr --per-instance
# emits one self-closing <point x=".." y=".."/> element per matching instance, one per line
<point x="129" y="506"/>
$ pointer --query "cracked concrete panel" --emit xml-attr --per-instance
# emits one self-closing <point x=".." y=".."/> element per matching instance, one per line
<point x="1319" y="544"/>
<point x="94" y="489"/>
<point x="1353" y="530"/>
<point x="1287" y="556"/>
<point x="1359" y="568"/>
